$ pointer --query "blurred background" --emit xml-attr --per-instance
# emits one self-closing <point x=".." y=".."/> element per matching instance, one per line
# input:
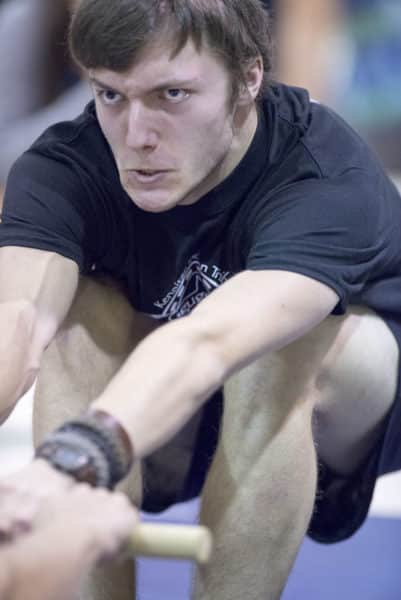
<point x="348" y="54"/>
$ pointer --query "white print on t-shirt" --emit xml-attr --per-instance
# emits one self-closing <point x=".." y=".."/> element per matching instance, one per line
<point x="195" y="283"/>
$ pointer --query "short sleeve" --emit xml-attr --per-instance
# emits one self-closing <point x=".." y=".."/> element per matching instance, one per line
<point x="53" y="205"/>
<point x="336" y="231"/>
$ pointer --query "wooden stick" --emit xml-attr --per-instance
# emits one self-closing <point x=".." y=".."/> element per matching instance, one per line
<point x="187" y="542"/>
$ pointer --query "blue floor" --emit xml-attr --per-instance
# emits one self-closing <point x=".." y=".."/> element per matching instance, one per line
<point x="366" y="567"/>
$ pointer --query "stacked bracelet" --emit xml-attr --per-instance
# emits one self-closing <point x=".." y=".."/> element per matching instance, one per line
<point x="92" y="448"/>
<point x="77" y="456"/>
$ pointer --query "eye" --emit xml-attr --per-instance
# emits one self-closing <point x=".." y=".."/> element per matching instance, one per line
<point x="175" y="95"/>
<point x="108" y="97"/>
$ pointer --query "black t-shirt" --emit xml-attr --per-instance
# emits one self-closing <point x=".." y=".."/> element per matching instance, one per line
<point x="308" y="197"/>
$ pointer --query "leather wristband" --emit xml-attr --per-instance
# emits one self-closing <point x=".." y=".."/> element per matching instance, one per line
<point x="111" y="424"/>
<point x="96" y="440"/>
<point x="76" y="456"/>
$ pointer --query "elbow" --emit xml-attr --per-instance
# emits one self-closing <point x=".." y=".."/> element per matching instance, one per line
<point x="19" y="363"/>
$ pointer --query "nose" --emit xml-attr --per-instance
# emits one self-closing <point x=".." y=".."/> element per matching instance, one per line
<point x="141" y="130"/>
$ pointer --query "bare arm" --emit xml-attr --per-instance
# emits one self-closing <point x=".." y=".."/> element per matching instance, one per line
<point x="180" y="365"/>
<point x="5" y="577"/>
<point x="36" y="291"/>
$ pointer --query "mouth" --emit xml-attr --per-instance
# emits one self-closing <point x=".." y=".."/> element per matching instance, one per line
<point x="146" y="176"/>
<point x="148" y="172"/>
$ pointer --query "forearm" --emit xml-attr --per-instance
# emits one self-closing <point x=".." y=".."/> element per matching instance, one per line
<point x="18" y="368"/>
<point x="180" y="365"/>
<point x="23" y="564"/>
<point x="162" y="384"/>
<point x="34" y="559"/>
<point x="36" y="292"/>
<point x="5" y="576"/>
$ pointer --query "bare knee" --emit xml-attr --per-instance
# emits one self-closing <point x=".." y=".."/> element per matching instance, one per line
<point x="363" y="356"/>
<point x="98" y="334"/>
<point x="262" y="396"/>
<point x="344" y="372"/>
<point x="102" y="312"/>
<point x="356" y="385"/>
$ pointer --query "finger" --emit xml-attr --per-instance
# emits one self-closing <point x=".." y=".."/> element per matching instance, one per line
<point x="12" y="527"/>
<point x="17" y="516"/>
<point x="5" y="532"/>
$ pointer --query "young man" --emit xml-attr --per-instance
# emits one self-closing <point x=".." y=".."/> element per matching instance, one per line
<point x="230" y="233"/>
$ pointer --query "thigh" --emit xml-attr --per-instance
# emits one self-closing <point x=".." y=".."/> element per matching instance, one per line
<point x="98" y="334"/>
<point x="341" y="377"/>
<point x="339" y="381"/>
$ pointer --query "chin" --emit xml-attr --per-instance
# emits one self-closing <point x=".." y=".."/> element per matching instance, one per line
<point x="152" y="205"/>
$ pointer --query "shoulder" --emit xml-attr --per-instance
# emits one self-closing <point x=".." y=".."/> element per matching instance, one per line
<point x="308" y="141"/>
<point x="78" y="143"/>
<point x="69" y="154"/>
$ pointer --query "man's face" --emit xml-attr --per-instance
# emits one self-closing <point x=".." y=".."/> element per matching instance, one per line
<point x="170" y="125"/>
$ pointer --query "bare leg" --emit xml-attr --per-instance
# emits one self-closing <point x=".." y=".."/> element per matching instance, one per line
<point x="98" y="334"/>
<point x="260" y="490"/>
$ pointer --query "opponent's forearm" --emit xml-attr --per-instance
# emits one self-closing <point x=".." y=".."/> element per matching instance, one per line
<point x="56" y="575"/>
<point x="18" y="365"/>
<point x="163" y="383"/>
<point x="5" y="576"/>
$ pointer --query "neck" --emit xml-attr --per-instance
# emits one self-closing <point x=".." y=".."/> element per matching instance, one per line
<point x="245" y="123"/>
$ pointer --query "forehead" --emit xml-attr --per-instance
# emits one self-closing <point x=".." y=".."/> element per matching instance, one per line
<point x="157" y="65"/>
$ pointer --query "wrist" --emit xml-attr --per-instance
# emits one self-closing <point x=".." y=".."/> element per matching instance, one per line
<point x="116" y="429"/>
<point x="45" y="468"/>
<point x="93" y="448"/>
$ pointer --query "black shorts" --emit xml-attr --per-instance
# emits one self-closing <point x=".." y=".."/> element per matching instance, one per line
<point x="341" y="503"/>
<point x="156" y="500"/>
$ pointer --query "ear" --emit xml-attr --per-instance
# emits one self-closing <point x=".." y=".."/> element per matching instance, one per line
<point x="253" y="81"/>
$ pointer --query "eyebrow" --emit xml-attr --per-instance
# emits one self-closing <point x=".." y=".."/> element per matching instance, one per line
<point x="168" y="83"/>
<point x="101" y="84"/>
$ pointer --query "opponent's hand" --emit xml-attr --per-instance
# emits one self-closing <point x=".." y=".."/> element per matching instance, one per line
<point x="71" y="533"/>
<point x="22" y="493"/>
<point x="94" y="519"/>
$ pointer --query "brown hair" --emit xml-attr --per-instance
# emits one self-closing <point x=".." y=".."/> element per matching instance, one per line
<point x="110" y="34"/>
